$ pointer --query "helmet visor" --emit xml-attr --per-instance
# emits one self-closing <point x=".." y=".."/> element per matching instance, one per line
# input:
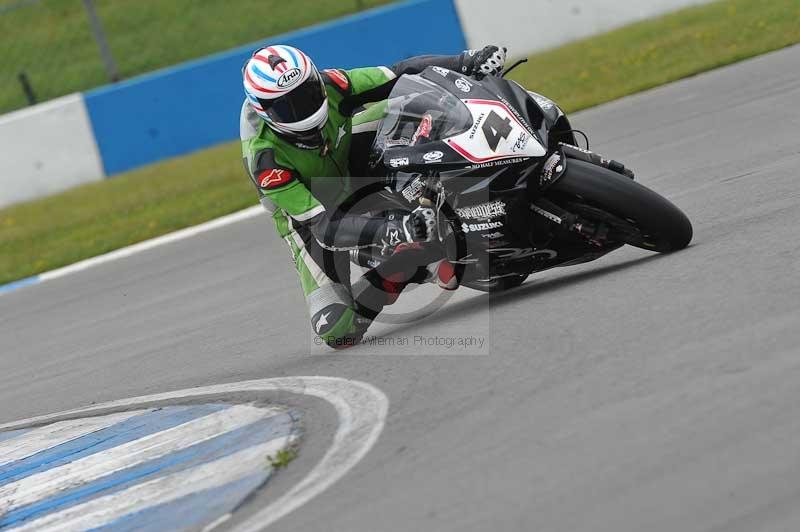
<point x="299" y="104"/>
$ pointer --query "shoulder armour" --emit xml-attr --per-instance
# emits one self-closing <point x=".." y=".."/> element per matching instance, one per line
<point x="338" y="79"/>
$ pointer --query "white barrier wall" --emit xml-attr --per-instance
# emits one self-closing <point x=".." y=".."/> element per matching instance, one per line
<point x="526" y="26"/>
<point x="45" y="149"/>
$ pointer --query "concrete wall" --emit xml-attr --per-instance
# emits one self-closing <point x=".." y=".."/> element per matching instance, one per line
<point x="46" y="149"/>
<point x="526" y="26"/>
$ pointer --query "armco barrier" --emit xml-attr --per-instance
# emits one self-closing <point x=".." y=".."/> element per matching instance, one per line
<point x="195" y="105"/>
<point x="46" y="149"/>
<point x="527" y="26"/>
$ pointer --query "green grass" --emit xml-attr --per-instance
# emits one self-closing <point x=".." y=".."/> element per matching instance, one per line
<point x="654" y="52"/>
<point x="282" y="458"/>
<point x="92" y="219"/>
<point x="86" y="221"/>
<point x="52" y="42"/>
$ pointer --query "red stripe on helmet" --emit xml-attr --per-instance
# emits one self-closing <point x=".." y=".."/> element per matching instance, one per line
<point x="258" y="86"/>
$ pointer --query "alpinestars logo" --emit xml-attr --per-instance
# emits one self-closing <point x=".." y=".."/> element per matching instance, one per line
<point x="274" y="178"/>
<point x="322" y="322"/>
<point x="484" y="210"/>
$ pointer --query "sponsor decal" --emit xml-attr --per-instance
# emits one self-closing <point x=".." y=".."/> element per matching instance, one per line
<point x="551" y="165"/>
<point x="424" y="129"/>
<point x="402" y="141"/>
<point x="582" y="150"/>
<point x="399" y="162"/>
<point x="499" y="162"/>
<point x="492" y="209"/>
<point x="549" y="215"/>
<point x="338" y="78"/>
<point x="516" y="114"/>
<point x="289" y="78"/>
<point x="274" y="178"/>
<point x="441" y="71"/>
<point x="522" y="141"/>
<point x="476" y="125"/>
<point x="488" y="226"/>
<point x="463" y="85"/>
<point x="394" y="237"/>
<point x="545" y="103"/>
<point x="522" y="253"/>
<point x="492" y="236"/>
<point x="414" y="189"/>
<point x="433" y="156"/>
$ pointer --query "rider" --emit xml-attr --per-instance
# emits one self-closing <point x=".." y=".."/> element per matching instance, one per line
<point x="304" y="134"/>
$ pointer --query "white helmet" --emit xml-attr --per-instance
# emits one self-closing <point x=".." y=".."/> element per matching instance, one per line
<point x="286" y="90"/>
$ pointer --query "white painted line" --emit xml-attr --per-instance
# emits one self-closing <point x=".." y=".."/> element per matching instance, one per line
<point x="43" y="438"/>
<point x="361" y="407"/>
<point x="105" y="510"/>
<point x="121" y="253"/>
<point x="47" y="483"/>
<point x="245" y="214"/>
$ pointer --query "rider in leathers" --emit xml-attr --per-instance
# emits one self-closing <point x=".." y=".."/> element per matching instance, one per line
<point x="304" y="134"/>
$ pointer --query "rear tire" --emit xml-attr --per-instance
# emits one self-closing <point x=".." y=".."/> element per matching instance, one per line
<point x="664" y="227"/>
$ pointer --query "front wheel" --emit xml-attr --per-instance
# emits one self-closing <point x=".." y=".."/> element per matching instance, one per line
<point x="639" y="216"/>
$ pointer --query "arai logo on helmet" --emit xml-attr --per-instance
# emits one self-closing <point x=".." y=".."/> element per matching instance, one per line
<point x="289" y="78"/>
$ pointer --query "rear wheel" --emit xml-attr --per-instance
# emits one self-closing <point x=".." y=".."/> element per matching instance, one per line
<point x="635" y="214"/>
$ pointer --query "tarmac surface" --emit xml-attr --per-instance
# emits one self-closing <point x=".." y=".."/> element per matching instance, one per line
<point x="637" y="392"/>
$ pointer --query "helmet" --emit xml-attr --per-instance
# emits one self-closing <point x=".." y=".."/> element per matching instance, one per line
<point x="286" y="90"/>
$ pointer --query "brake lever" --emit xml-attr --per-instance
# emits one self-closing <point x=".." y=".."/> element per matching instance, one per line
<point x="512" y="67"/>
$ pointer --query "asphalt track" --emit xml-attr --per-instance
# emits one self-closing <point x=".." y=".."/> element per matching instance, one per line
<point x="638" y="392"/>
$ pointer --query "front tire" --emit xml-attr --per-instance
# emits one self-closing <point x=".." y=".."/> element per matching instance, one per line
<point x="660" y="225"/>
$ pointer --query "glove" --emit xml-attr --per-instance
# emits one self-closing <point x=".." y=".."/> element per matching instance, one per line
<point x="488" y="61"/>
<point x="403" y="228"/>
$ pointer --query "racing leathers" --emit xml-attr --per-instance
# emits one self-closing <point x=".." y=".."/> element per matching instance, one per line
<point x="309" y="190"/>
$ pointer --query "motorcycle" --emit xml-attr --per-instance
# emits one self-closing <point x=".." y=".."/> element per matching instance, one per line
<point x="513" y="191"/>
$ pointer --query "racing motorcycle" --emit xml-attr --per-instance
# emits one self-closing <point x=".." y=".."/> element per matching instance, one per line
<point x="513" y="191"/>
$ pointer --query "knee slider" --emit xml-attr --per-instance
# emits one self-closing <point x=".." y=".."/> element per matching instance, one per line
<point x="336" y="325"/>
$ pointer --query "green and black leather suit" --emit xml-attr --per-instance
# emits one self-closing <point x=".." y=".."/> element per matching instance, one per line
<point x="303" y="187"/>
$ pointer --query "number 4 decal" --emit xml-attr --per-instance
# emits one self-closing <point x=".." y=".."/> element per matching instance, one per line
<point x="495" y="128"/>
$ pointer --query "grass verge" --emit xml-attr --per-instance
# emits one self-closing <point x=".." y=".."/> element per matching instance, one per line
<point x="96" y="218"/>
<point x="51" y="40"/>
<point x="657" y="51"/>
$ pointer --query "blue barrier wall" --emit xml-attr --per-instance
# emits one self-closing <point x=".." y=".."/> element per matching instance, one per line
<point x="196" y="105"/>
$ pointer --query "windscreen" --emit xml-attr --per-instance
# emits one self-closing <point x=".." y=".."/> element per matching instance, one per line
<point x="418" y="112"/>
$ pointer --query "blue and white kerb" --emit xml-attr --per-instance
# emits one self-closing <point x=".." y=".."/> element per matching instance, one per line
<point x="171" y="468"/>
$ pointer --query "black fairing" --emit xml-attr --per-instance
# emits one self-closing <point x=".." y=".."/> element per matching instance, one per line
<point x="501" y="243"/>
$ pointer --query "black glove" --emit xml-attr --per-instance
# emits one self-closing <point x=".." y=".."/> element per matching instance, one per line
<point x="404" y="228"/>
<point x="488" y="61"/>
